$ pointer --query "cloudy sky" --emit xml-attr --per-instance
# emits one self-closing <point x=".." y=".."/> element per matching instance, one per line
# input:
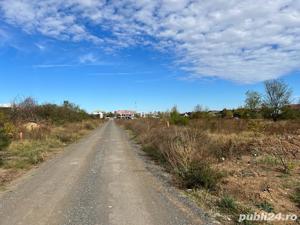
<point x="147" y="54"/>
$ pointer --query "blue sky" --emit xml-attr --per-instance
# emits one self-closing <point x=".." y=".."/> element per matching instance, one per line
<point x="139" y="56"/>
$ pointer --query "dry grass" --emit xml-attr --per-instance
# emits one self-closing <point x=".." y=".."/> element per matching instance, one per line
<point x="37" y="145"/>
<point x="259" y="161"/>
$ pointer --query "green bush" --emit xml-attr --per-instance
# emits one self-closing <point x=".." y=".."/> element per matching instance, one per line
<point x="29" y="110"/>
<point x="289" y="113"/>
<point x="296" y="196"/>
<point x="266" y="206"/>
<point x="4" y="139"/>
<point x="228" y="204"/>
<point x="60" y="114"/>
<point x="35" y="157"/>
<point x="154" y="154"/>
<point x="225" y="113"/>
<point x="199" y="174"/>
<point x="177" y="119"/>
<point x="4" y="135"/>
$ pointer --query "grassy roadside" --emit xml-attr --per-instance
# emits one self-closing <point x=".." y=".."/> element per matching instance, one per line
<point x="38" y="145"/>
<point x="228" y="167"/>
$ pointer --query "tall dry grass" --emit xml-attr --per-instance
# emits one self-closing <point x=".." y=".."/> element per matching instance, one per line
<point x="249" y="164"/>
<point x="37" y="144"/>
<point x="203" y="142"/>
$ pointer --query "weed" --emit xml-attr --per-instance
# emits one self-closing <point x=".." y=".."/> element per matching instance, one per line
<point x="199" y="175"/>
<point x="155" y="154"/>
<point x="281" y="154"/>
<point x="32" y="150"/>
<point x="65" y="137"/>
<point x="256" y="126"/>
<point x="88" y="126"/>
<point x="196" y="154"/>
<point x="228" y="204"/>
<point x="177" y="119"/>
<point x="266" y="206"/>
<point x="296" y="196"/>
<point x="4" y="139"/>
<point x="269" y="160"/>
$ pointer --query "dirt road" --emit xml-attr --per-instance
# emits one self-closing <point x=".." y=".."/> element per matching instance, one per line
<point x="97" y="181"/>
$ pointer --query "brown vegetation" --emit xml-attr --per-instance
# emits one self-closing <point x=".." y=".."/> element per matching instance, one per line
<point x="37" y="145"/>
<point x="243" y="165"/>
<point x="29" y="133"/>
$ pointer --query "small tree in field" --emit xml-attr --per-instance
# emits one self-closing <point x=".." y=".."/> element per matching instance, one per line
<point x="253" y="100"/>
<point x="200" y="112"/>
<point x="24" y="111"/>
<point x="278" y="95"/>
<point x="176" y="118"/>
<point x="225" y="113"/>
<point x="198" y="108"/>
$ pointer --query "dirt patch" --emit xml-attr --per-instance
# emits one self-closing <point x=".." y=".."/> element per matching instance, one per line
<point x="8" y="175"/>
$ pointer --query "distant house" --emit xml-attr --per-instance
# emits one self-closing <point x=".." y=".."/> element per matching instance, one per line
<point x="186" y="114"/>
<point x="295" y="106"/>
<point x="99" y="114"/>
<point x="125" y="114"/>
<point x="142" y="114"/>
<point x="214" y="113"/>
<point x="5" y="108"/>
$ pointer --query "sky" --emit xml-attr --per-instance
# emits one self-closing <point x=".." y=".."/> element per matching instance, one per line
<point x="147" y="55"/>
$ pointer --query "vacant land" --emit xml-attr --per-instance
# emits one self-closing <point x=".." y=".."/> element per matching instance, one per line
<point x="37" y="145"/>
<point x="99" y="180"/>
<point x="228" y="166"/>
<point x="31" y="132"/>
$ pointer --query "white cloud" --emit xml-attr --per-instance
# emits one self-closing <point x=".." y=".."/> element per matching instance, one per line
<point x="41" y="47"/>
<point x="4" y="37"/>
<point x="245" y="41"/>
<point x="88" y="58"/>
<point x="5" y="105"/>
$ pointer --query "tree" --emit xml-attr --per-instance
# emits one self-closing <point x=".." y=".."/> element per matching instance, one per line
<point x="225" y="113"/>
<point x="278" y="95"/>
<point x="4" y="137"/>
<point x="176" y="118"/>
<point x="24" y="111"/>
<point x="198" y="108"/>
<point x="253" y="103"/>
<point x="253" y="100"/>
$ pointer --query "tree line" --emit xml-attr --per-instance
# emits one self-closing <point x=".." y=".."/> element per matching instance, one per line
<point x="274" y="103"/>
<point x="28" y="110"/>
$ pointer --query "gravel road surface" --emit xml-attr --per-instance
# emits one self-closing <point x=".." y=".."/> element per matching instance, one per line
<point x="96" y="181"/>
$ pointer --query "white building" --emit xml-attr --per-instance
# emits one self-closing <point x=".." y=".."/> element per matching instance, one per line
<point x="125" y="114"/>
<point x="100" y="114"/>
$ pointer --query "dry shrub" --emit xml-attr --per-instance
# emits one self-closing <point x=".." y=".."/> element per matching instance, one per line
<point x="184" y="146"/>
<point x="72" y="131"/>
<point x="283" y="127"/>
<point x="184" y="150"/>
<point x="65" y="137"/>
<point x="232" y="146"/>
<point x="296" y="196"/>
<point x="230" y="126"/>
<point x="199" y="174"/>
<point x="218" y="125"/>
<point x="252" y="153"/>
<point x="42" y="132"/>
<point x="89" y="125"/>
